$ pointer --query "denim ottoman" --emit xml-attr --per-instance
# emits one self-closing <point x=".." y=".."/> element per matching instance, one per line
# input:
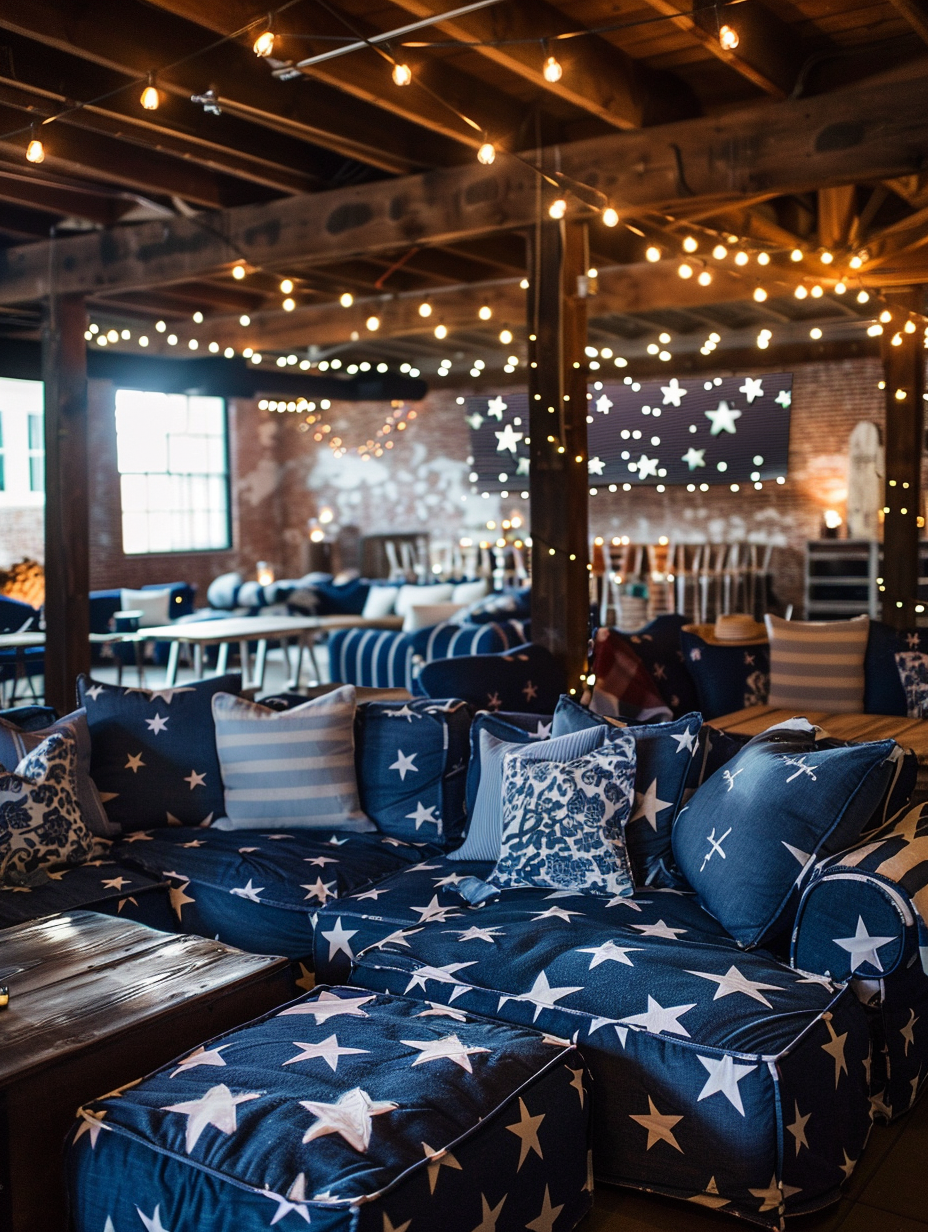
<point x="345" y="1110"/>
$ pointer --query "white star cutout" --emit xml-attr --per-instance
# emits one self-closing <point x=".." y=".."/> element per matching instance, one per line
<point x="555" y="913"/>
<point x="114" y="883"/>
<point x="648" y="804"/>
<point x="526" y="1130"/>
<point x="403" y="713"/>
<point x="434" y="911"/>
<point x="674" y="393"/>
<point x="798" y="1127"/>
<point x="328" y="1050"/>
<point x="907" y="1032"/>
<point x="153" y="1223"/>
<point x="448" y="1048"/>
<point x="216" y="1108"/>
<point x="94" y="692"/>
<point x="328" y="1005"/>
<point x="548" y="1218"/>
<point x="522" y="466"/>
<point x="338" y="939"/>
<point x="320" y="861"/>
<point x="647" y="466"/>
<point x="542" y="995"/>
<point x="723" y="418"/>
<point x="752" y="388"/>
<point x="479" y="934"/>
<point x="784" y="398"/>
<point x="660" y="929"/>
<point x="195" y="780"/>
<point x="771" y="1198"/>
<point x="350" y="1117"/>
<point x="508" y="438"/>
<point x="249" y="891"/>
<point x="595" y="466"/>
<point x="441" y="975"/>
<point x="724" y="1076"/>
<point x="694" y="457"/>
<point x="733" y="981"/>
<point x="489" y="1214"/>
<point x="610" y="952"/>
<point x="422" y="814"/>
<point x="404" y="764"/>
<point x="157" y="724"/>
<point x="295" y="1201"/>
<point x="657" y="1019"/>
<point x="475" y="420"/>
<point x="687" y="741"/>
<point x="495" y="407"/>
<point x="835" y="1048"/>
<point x="659" y="1126"/>
<point x="320" y="890"/>
<point x="862" y="947"/>
<point x="604" y="405"/>
<point x="202" y="1056"/>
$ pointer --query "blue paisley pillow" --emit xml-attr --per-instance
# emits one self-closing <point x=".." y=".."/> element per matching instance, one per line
<point x="40" y="818"/>
<point x="563" y="822"/>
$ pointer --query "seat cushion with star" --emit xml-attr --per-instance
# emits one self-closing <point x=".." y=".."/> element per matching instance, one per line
<point x="345" y="1112"/>
<point x="260" y="890"/>
<point x="153" y="751"/>
<point x="99" y="885"/>
<point x="527" y="678"/>
<point x="864" y="918"/>
<point x="722" y="1077"/>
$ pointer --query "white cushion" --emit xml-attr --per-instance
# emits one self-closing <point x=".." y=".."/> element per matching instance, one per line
<point x="379" y="602"/>
<point x="153" y="604"/>
<point x="440" y="592"/>
<point x="424" y="615"/>
<point x="469" y="592"/>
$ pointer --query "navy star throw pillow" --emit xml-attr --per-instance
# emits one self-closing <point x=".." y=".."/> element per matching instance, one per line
<point x="751" y="834"/>
<point x="153" y="752"/>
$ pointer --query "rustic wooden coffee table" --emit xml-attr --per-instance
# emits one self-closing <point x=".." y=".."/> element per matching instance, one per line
<point x="96" y="1002"/>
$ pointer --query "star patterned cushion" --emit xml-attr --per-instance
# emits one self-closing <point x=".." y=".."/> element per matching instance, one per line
<point x="40" y="818"/>
<point x="153" y="752"/>
<point x="883" y="690"/>
<point x="753" y="832"/>
<point x="563" y="821"/>
<point x="727" y="678"/>
<point x="666" y="758"/>
<point x="527" y="678"/>
<point x="344" y="1110"/>
<point x="289" y="769"/>
<point x="411" y="764"/>
<point x="485" y="828"/>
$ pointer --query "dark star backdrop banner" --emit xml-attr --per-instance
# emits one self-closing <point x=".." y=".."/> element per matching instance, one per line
<point x="727" y="430"/>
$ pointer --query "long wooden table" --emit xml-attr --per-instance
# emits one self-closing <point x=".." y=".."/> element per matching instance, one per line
<point x="304" y="630"/>
<point x="96" y="1002"/>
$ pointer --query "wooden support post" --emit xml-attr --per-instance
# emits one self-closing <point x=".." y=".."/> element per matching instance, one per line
<point x="67" y="556"/>
<point x="557" y="425"/>
<point x="904" y="373"/>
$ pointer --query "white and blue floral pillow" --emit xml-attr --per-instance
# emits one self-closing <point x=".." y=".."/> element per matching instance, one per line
<point x="913" y="674"/>
<point x="563" y="822"/>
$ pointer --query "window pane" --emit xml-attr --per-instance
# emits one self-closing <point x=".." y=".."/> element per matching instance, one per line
<point x="37" y="473"/>
<point x="36" y="440"/>
<point x="2" y="473"/>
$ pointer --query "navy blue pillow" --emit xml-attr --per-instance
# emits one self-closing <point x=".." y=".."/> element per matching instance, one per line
<point x="30" y="718"/>
<point x="665" y="753"/>
<point x="504" y="725"/>
<point x="342" y="599"/>
<point x="727" y="678"/>
<point x="411" y="759"/>
<point x="153" y="752"/>
<point x="883" y="691"/>
<point x="753" y="832"/>
<point x="527" y="678"/>
<point x="657" y="645"/>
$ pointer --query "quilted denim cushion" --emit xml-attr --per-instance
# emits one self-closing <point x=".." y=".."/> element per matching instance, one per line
<point x="753" y="832"/>
<point x="527" y="678"/>
<point x="412" y="763"/>
<point x="379" y="1118"/>
<point x="153" y="751"/>
<point x="666" y="756"/>
<point x="727" y="678"/>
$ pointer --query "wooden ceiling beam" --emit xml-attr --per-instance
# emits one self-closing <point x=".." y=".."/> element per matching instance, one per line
<point x="598" y="78"/>
<point x="874" y="132"/>
<point x="23" y="187"/>
<point x="133" y="38"/>
<point x="915" y="14"/>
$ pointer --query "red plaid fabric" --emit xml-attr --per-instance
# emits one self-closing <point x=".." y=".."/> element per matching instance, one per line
<point x="623" y="687"/>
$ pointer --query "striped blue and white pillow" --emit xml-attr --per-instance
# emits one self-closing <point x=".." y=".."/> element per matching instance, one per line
<point x="485" y="830"/>
<point x="291" y="769"/>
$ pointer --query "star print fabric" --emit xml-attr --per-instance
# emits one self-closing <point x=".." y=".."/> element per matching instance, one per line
<point x="153" y="753"/>
<point x="348" y="1111"/>
<point x="723" y="1078"/>
<point x="563" y="822"/>
<point x="527" y="678"/>
<point x="752" y="833"/>
<point x="412" y="765"/>
<point x="727" y="678"/>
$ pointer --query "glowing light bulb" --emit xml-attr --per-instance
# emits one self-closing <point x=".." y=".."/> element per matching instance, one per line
<point x="728" y="38"/>
<point x="685" y="271"/>
<point x="720" y="252"/>
<point x="760" y="294"/>
<point x="741" y="258"/>
<point x="150" y="98"/>
<point x="909" y="327"/>
<point x="263" y="44"/>
<point x="704" y="279"/>
<point x="346" y="299"/>
<point x="690" y="244"/>
<point x="558" y="208"/>
<point x="286" y="286"/>
<point x="289" y="304"/>
<point x="826" y="258"/>
<point x="425" y="309"/>
<point x="815" y="333"/>
<point x="35" y="151"/>
<point x="763" y="258"/>
<point x="373" y="324"/>
<point x="487" y="153"/>
<point x="244" y="319"/>
<point x="855" y="262"/>
<point x="800" y="292"/>
<point x="485" y="312"/>
<point x="652" y="254"/>
<point x="796" y="254"/>
<point x="610" y="217"/>
<point x="441" y="331"/>
<point x="874" y="331"/>
<point x="402" y="74"/>
<point x="552" y="70"/>
<point x="198" y="318"/>
<point x="238" y="272"/>
<point x="840" y="288"/>
<point x="896" y="340"/>
<point x="863" y="297"/>
<point x="505" y="336"/>
<point x="886" y="316"/>
<point x="160" y="326"/>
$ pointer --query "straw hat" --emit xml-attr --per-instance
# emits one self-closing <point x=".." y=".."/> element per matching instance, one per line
<point x="736" y="629"/>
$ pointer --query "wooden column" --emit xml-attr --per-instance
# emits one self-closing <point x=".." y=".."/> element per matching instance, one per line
<point x="557" y="424"/>
<point x="67" y="557"/>
<point x="904" y="373"/>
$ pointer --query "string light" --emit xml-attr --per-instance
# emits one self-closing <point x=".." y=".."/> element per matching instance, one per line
<point x="763" y="258"/>
<point x="720" y="252"/>
<point x="264" y="44"/>
<point x="441" y="331"/>
<point x="826" y="258"/>
<point x="35" y="150"/>
<point x="288" y="304"/>
<point x="685" y="271"/>
<point x="760" y="294"/>
<point x="886" y="316"/>
<point x="244" y="319"/>
<point x="800" y="292"/>
<point x="840" y="288"/>
<point x="150" y="97"/>
<point x="425" y="309"/>
<point x="485" y="312"/>
<point x="909" y="327"/>
<point x="373" y="324"/>
<point x="652" y="253"/>
<point x="286" y="286"/>
<point x="863" y="297"/>
<point x="402" y="74"/>
<point x="558" y="208"/>
<point x="346" y="299"/>
<point x="817" y="292"/>
<point x="160" y="326"/>
<point x="690" y="244"/>
<point x="238" y="272"/>
<point x="487" y="153"/>
<point x="505" y="337"/>
<point x="704" y="278"/>
<point x="815" y="333"/>
<point x="198" y="317"/>
<point x="728" y="38"/>
<point x="855" y="262"/>
<point x="610" y="217"/>
<point x="552" y="70"/>
<point x="741" y="258"/>
<point x="796" y="254"/>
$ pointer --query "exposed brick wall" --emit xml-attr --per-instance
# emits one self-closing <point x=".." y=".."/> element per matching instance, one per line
<point x="281" y="478"/>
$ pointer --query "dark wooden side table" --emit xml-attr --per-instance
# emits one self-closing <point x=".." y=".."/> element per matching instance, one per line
<point x="96" y="1002"/>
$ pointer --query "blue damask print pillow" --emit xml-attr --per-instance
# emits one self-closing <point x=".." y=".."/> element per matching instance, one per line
<point x="40" y="817"/>
<point x="913" y="676"/>
<point x="563" y="822"/>
<point x="751" y="835"/>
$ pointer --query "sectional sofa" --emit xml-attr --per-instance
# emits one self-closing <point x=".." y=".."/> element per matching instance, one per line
<point x="745" y="1013"/>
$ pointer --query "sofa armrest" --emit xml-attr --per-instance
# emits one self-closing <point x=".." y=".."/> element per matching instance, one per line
<point x="864" y="913"/>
